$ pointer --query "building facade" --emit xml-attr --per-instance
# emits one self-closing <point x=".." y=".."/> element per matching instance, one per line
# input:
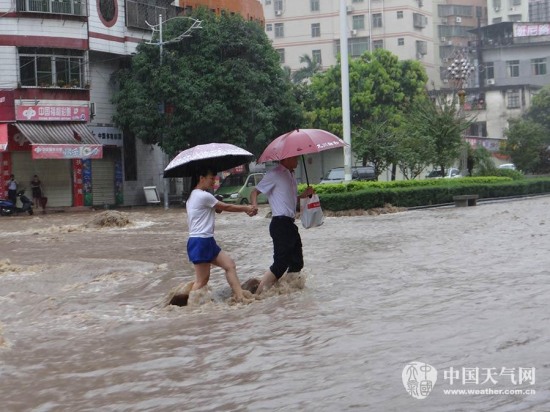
<point x="312" y="27"/>
<point x="515" y="66"/>
<point x="57" y="66"/>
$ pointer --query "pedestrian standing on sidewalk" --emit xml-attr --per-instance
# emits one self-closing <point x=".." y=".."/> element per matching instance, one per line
<point x="36" y="187"/>
<point x="12" y="190"/>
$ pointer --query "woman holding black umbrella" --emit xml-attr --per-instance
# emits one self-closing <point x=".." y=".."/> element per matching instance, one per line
<point x="202" y="248"/>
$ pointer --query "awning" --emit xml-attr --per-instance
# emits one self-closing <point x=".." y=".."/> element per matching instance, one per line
<point x="61" y="141"/>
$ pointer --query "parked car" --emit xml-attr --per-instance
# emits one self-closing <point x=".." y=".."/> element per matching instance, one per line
<point x="449" y="173"/>
<point x="510" y="166"/>
<point x="236" y="188"/>
<point x="336" y="175"/>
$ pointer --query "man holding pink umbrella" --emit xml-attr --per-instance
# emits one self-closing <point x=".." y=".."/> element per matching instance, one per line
<point x="279" y="186"/>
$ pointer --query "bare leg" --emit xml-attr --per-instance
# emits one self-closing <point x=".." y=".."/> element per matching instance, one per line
<point x="267" y="281"/>
<point x="202" y="274"/>
<point x="225" y="261"/>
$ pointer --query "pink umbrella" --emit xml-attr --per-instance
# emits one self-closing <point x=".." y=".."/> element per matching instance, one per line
<point x="300" y="142"/>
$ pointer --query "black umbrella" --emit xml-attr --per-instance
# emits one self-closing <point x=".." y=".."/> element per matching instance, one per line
<point x="215" y="156"/>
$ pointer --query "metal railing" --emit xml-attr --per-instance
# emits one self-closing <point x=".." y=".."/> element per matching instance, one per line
<point x="70" y="7"/>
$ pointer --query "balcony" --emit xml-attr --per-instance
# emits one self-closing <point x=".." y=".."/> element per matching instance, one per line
<point x="68" y="7"/>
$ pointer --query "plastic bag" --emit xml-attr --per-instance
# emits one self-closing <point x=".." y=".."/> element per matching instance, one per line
<point x="311" y="212"/>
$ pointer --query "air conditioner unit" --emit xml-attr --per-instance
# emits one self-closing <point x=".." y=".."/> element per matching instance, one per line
<point x="459" y="19"/>
<point x="512" y="9"/>
<point x="349" y="9"/>
<point x="449" y="42"/>
<point x="353" y="33"/>
<point x="490" y="82"/>
<point x="443" y="39"/>
<point x="278" y="12"/>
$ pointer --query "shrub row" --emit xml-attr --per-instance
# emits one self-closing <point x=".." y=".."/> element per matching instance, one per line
<point x="435" y="192"/>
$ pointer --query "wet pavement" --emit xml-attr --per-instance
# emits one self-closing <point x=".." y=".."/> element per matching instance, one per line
<point x="83" y="325"/>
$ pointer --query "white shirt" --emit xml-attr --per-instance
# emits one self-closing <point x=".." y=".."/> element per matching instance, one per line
<point x="201" y="214"/>
<point x="12" y="185"/>
<point x="281" y="189"/>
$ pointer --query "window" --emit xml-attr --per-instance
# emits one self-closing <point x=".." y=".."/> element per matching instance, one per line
<point x="377" y="20"/>
<point x="267" y="2"/>
<point x="357" y="1"/>
<point x="279" y="30"/>
<point x="400" y="41"/>
<point x="400" y="14"/>
<point x="316" y="30"/>
<point x="512" y="68"/>
<point x="358" y="46"/>
<point x="314" y="4"/>
<point x="51" y="67"/>
<point x="478" y="129"/>
<point x="538" y="67"/>
<point x="378" y="44"/>
<point x="278" y="5"/>
<point x="489" y="70"/>
<point x="421" y="47"/>
<point x="516" y="2"/>
<point x="316" y="56"/>
<point x="281" y="53"/>
<point x="74" y="7"/>
<point x="269" y="27"/>
<point x="359" y="22"/>
<point x="513" y="99"/>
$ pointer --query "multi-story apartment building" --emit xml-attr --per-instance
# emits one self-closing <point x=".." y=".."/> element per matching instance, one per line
<point x="312" y="27"/>
<point x="57" y="61"/>
<point x="514" y="67"/>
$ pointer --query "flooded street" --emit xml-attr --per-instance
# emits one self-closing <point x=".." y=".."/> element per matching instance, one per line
<point x="83" y="326"/>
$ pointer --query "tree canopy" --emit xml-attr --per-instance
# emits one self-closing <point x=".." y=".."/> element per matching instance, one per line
<point x="381" y="88"/>
<point x="222" y="84"/>
<point x="528" y="138"/>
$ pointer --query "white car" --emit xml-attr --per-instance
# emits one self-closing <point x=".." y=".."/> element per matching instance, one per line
<point x="510" y="166"/>
<point x="450" y="172"/>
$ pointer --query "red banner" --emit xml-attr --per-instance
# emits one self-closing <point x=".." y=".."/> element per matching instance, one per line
<point x="67" y="151"/>
<point x="53" y="113"/>
<point x="78" y="195"/>
<point x="3" y="137"/>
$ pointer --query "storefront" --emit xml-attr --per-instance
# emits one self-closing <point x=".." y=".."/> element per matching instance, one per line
<point x="52" y="141"/>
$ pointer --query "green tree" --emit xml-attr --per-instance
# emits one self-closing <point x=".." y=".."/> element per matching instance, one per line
<point x="382" y="88"/>
<point x="222" y="84"/>
<point x="308" y="71"/>
<point x="439" y="122"/>
<point x="527" y="144"/>
<point x="528" y="138"/>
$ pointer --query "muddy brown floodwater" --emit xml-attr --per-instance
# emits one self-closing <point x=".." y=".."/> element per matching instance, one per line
<point x="462" y="291"/>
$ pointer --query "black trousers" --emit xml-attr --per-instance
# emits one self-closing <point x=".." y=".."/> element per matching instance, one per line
<point x="287" y="246"/>
<point x="12" y="196"/>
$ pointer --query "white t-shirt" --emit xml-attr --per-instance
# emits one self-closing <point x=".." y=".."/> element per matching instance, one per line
<point x="279" y="185"/>
<point x="201" y="215"/>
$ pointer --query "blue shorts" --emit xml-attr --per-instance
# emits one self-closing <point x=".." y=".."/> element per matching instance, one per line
<point x="202" y="249"/>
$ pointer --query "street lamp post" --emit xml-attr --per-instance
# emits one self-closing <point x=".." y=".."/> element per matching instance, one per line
<point x="459" y="71"/>
<point x="161" y="42"/>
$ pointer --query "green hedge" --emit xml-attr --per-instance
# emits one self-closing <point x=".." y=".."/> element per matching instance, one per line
<point x="357" y="195"/>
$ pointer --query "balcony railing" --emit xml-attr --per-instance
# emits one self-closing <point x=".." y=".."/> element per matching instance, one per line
<point x="70" y="7"/>
<point x="138" y="12"/>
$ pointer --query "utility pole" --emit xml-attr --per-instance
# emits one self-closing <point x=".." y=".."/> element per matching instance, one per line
<point x="158" y="27"/>
<point x="344" y="66"/>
